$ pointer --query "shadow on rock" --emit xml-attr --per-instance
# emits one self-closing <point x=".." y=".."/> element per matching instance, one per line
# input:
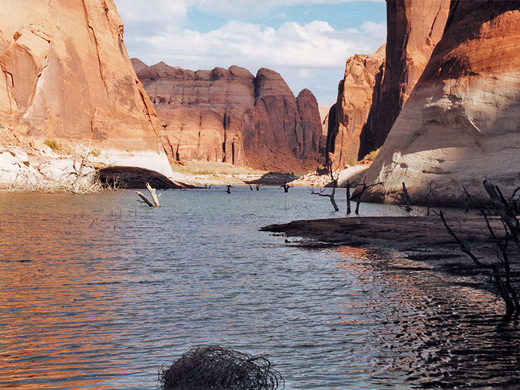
<point x="274" y="178"/>
<point x="134" y="177"/>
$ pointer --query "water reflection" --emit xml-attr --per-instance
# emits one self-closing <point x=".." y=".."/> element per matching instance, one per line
<point x="53" y="325"/>
<point x="429" y="329"/>
<point x="99" y="292"/>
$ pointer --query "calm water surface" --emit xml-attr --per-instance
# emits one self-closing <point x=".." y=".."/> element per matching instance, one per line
<point x="99" y="292"/>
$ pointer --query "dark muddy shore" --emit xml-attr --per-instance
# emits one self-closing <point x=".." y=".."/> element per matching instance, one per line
<point x="421" y="238"/>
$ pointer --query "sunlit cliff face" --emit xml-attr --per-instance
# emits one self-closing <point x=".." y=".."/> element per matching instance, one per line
<point x="65" y="73"/>
<point x="368" y="106"/>
<point x="229" y="115"/>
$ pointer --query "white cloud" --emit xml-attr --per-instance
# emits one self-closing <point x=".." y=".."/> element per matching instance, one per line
<point x="151" y="17"/>
<point x="312" y="45"/>
<point x="155" y="31"/>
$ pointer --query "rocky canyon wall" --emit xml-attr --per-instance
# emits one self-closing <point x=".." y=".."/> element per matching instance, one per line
<point x="229" y="115"/>
<point x="372" y="95"/>
<point x="65" y="74"/>
<point x="348" y="117"/>
<point x="462" y="120"/>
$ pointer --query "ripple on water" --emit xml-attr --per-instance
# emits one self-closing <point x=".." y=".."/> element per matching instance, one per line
<point x="98" y="292"/>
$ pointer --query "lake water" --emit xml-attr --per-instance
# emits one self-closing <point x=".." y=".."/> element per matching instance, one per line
<point x="100" y="291"/>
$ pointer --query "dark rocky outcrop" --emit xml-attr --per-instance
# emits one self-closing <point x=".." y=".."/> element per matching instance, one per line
<point x="134" y="177"/>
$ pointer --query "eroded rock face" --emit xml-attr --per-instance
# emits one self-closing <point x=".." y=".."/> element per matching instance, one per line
<point x="414" y="29"/>
<point x="363" y="75"/>
<point x="203" y="113"/>
<point x="228" y="115"/>
<point x="376" y="87"/>
<point x="65" y="74"/>
<point x="462" y="120"/>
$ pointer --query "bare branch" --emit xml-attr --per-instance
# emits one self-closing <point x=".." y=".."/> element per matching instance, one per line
<point x="465" y="248"/>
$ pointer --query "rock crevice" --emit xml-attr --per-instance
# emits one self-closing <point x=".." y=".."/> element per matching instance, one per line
<point x="367" y="107"/>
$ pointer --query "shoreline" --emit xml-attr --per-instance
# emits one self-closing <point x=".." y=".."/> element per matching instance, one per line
<point x="418" y="238"/>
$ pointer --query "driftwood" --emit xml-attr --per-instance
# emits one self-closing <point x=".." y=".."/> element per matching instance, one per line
<point x="359" y="194"/>
<point x="407" y="200"/>
<point x="155" y="199"/>
<point x="348" y="198"/>
<point x="79" y="171"/>
<point x="257" y="186"/>
<point x="285" y="187"/>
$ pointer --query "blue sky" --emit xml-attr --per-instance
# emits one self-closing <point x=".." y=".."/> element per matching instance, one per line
<point x="306" y="41"/>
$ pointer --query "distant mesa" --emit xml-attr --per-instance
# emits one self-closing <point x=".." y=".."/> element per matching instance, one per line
<point x="229" y="115"/>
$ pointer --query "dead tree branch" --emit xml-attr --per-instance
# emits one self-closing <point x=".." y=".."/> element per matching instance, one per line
<point x="285" y="187"/>
<point x="332" y="194"/>
<point x="348" y="198"/>
<point x="407" y="200"/>
<point x="463" y="247"/>
<point x="359" y="194"/>
<point x="153" y="194"/>
<point x="505" y="209"/>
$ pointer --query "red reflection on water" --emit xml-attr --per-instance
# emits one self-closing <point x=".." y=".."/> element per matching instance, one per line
<point x="54" y="311"/>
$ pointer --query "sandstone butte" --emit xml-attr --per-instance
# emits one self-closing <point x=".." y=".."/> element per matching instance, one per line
<point x="375" y="87"/>
<point x="229" y="115"/>
<point x="461" y="123"/>
<point x="66" y="75"/>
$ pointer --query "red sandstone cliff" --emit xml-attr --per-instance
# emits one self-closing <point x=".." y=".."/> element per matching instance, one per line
<point x="370" y="98"/>
<point x="348" y="117"/>
<point x="414" y="29"/>
<point x="462" y="120"/>
<point x="231" y="116"/>
<point x="65" y="74"/>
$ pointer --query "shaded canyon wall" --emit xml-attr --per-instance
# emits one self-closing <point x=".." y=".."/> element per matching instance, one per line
<point x="349" y="115"/>
<point x="462" y="120"/>
<point x="375" y="88"/>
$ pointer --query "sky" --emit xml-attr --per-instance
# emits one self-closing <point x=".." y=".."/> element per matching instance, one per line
<point x="306" y="41"/>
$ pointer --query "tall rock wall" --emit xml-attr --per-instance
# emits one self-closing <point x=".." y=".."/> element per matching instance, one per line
<point x="363" y="75"/>
<point x="376" y="87"/>
<point x="414" y="29"/>
<point x="462" y="120"/>
<point x="65" y="74"/>
<point x="228" y="115"/>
